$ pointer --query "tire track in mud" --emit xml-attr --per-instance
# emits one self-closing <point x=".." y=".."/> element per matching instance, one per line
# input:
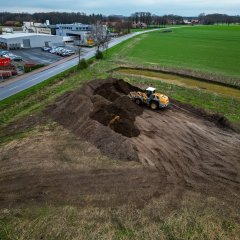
<point x="191" y="150"/>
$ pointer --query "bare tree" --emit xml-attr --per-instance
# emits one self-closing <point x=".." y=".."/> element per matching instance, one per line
<point x="99" y="34"/>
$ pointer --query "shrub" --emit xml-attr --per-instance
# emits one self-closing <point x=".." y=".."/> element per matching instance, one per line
<point x="83" y="64"/>
<point x="30" y="67"/>
<point x="90" y="61"/>
<point x="99" y="55"/>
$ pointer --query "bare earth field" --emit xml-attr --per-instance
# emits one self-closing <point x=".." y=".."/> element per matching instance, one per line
<point x="96" y="159"/>
<point x="192" y="152"/>
<point x="56" y="167"/>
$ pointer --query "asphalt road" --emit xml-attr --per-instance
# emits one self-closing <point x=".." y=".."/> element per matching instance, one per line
<point x="22" y="84"/>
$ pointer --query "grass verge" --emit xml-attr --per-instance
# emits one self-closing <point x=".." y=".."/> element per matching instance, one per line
<point x="34" y="99"/>
<point x="194" y="218"/>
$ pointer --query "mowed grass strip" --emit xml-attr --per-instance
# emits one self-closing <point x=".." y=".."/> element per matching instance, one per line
<point x="212" y="49"/>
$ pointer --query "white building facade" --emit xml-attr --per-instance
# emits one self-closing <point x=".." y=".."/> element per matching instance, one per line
<point x="80" y="33"/>
<point x="29" y="40"/>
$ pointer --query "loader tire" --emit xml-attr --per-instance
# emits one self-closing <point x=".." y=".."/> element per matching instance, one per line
<point x="138" y="101"/>
<point x="153" y="105"/>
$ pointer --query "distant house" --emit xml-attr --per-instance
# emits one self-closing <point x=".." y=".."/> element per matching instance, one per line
<point x="186" y="21"/>
<point x="139" y="25"/>
<point x="7" y="30"/>
<point x="11" y="23"/>
<point x="191" y="21"/>
<point x="39" y="28"/>
<point x="111" y="24"/>
<point x="195" y="21"/>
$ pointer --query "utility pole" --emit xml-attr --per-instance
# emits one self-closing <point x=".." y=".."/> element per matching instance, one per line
<point x="79" y="52"/>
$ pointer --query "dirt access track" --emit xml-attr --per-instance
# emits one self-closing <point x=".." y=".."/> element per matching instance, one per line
<point x="180" y="149"/>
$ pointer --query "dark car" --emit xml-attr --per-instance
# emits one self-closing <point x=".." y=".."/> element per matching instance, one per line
<point x="17" y="58"/>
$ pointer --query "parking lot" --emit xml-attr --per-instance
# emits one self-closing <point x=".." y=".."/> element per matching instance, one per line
<point x="37" y="56"/>
<point x="26" y="60"/>
<point x="43" y="56"/>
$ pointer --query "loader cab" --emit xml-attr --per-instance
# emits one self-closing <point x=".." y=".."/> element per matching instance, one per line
<point x="150" y="91"/>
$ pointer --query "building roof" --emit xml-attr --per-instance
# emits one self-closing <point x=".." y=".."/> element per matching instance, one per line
<point x="18" y="35"/>
<point x="73" y="24"/>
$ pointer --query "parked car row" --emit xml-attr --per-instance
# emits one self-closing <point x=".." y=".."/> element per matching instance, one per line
<point x="10" y="55"/>
<point x="61" y="51"/>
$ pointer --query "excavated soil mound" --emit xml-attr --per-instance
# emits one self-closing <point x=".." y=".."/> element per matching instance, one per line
<point x="102" y="113"/>
<point x="119" y="115"/>
<point x="190" y="149"/>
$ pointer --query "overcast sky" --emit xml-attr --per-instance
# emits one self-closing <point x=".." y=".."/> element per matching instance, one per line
<point x="125" y="7"/>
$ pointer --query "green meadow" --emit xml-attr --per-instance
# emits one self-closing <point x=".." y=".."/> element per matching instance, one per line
<point x="208" y="49"/>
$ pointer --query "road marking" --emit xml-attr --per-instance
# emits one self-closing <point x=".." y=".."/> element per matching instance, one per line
<point x="32" y="80"/>
<point x="13" y="88"/>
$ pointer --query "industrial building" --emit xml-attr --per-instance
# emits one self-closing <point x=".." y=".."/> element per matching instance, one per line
<point x="76" y="32"/>
<point x="79" y="33"/>
<point x="29" y="40"/>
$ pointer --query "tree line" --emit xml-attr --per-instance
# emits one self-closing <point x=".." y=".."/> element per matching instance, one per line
<point x="53" y="17"/>
<point x="143" y="17"/>
<point x="66" y="17"/>
<point x="218" y="19"/>
<point x="151" y="19"/>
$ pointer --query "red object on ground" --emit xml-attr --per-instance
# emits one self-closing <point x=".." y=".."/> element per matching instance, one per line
<point x="6" y="74"/>
<point x="5" y="62"/>
<point x="29" y="64"/>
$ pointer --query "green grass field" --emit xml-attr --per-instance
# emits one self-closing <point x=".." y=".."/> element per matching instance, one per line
<point x="212" y="49"/>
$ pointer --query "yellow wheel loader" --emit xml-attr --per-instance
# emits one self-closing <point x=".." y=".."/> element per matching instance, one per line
<point x="150" y="98"/>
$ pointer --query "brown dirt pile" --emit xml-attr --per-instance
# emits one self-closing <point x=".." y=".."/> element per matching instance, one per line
<point x="102" y="113"/>
<point x="192" y="149"/>
<point x="187" y="149"/>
